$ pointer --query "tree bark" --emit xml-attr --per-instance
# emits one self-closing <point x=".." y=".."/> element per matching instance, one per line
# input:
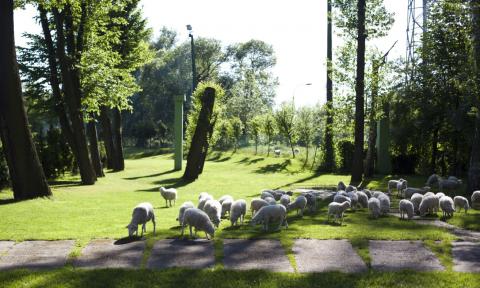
<point x="329" y="158"/>
<point x="73" y="100"/>
<point x="372" y="133"/>
<point x="26" y="173"/>
<point x="107" y="135"/>
<point x="94" y="152"/>
<point x="119" y="161"/>
<point x="199" y="145"/>
<point x="474" y="167"/>
<point x="357" y="166"/>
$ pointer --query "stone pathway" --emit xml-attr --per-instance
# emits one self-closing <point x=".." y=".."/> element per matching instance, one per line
<point x="466" y="257"/>
<point x="182" y="253"/>
<point x="35" y="254"/>
<point x="400" y="255"/>
<point x="314" y="255"/>
<point x="255" y="254"/>
<point x="103" y="253"/>
<point x="5" y="246"/>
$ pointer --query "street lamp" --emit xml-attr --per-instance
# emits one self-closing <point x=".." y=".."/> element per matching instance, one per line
<point x="194" y="69"/>
<point x="295" y="89"/>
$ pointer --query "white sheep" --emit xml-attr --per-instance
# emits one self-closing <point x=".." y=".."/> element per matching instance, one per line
<point x="447" y="205"/>
<point x="270" y="213"/>
<point x="311" y="202"/>
<point x="337" y="210"/>
<point x="432" y="179"/>
<point x="416" y="199"/>
<point x="428" y="194"/>
<point x="406" y="208"/>
<point x="394" y="184"/>
<point x="368" y="193"/>
<point x="341" y="186"/>
<point x="277" y="152"/>
<point x="256" y="204"/>
<point x="362" y="199"/>
<point x="226" y="206"/>
<point x="285" y="200"/>
<point x="270" y="200"/>
<point x="277" y="194"/>
<point x="299" y="204"/>
<point x="341" y="199"/>
<point x="169" y="195"/>
<point x="202" y="195"/>
<point x="409" y="191"/>
<point x="203" y="200"/>
<point x="183" y="208"/>
<point x="374" y="207"/>
<point x="353" y="199"/>
<point x="428" y="205"/>
<point x="384" y="204"/>
<point x="350" y="188"/>
<point x="225" y="197"/>
<point x="266" y="194"/>
<point x="461" y="202"/>
<point x="213" y="208"/>
<point x="238" y="211"/>
<point x="476" y="200"/>
<point x="198" y="219"/>
<point x="377" y="194"/>
<point x="142" y="213"/>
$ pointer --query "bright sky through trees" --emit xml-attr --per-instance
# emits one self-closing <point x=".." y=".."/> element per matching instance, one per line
<point x="296" y="29"/>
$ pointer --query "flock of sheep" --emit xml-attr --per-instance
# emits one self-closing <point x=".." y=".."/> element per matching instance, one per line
<point x="272" y="205"/>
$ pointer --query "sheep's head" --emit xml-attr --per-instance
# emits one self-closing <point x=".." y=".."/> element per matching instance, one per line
<point x="162" y="189"/>
<point x="131" y="229"/>
<point x="347" y="204"/>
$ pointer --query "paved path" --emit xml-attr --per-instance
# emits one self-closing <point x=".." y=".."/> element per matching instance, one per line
<point x="311" y="255"/>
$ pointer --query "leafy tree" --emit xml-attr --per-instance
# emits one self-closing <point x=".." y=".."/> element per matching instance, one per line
<point x="237" y="129"/>
<point x="285" y="119"/>
<point x="305" y="127"/>
<point x="255" y="127"/>
<point x="269" y="129"/>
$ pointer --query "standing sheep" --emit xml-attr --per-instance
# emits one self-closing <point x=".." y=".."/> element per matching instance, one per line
<point x="266" y="194"/>
<point x="337" y="210"/>
<point x="393" y="184"/>
<point x="311" y="202"/>
<point x="409" y="191"/>
<point x="406" y="208"/>
<point x="476" y="200"/>
<point x="169" y="194"/>
<point x="384" y="204"/>
<point x="226" y="206"/>
<point x="213" y="208"/>
<point x="256" y="204"/>
<point x="270" y="200"/>
<point x="141" y="214"/>
<point x="461" y="202"/>
<point x="353" y="199"/>
<point x="427" y="205"/>
<point x="351" y="188"/>
<point x="224" y="198"/>
<point x="203" y="200"/>
<point x="447" y="205"/>
<point x="183" y="208"/>
<point x="238" y="211"/>
<point x="341" y="186"/>
<point x="269" y="214"/>
<point x="374" y="207"/>
<point x="362" y="199"/>
<point x="299" y="204"/>
<point x="198" y="219"/>
<point x="416" y="200"/>
<point x="285" y="200"/>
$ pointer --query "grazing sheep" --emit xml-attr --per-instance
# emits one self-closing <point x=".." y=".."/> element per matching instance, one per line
<point x="377" y="194"/>
<point x="141" y="214"/>
<point x="203" y="200"/>
<point x="384" y="204"/>
<point x="362" y="199"/>
<point x="266" y="194"/>
<point x="409" y="191"/>
<point x="447" y="205"/>
<point x="311" y="201"/>
<point x="299" y="204"/>
<point x="183" y="208"/>
<point x="202" y="195"/>
<point x="406" y="208"/>
<point x="277" y="194"/>
<point x="461" y="202"/>
<point x="341" y="199"/>
<point x="374" y="206"/>
<point x="439" y="195"/>
<point x="354" y="199"/>
<point x="427" y="205"/>
<point x="416" y="200"/>
<point x="238" y="211"/>
<point x="337" y="210"/>
<point x="224" y="198"/>
<point x="213" y="208"/>
<point x="285" y="200"/>
<point x="270" y="201"/>
<point x="429" y="194"/>
<point x="350" y="188"/>
<point x="449" y="185"/>
<point x="169" y="195"/>
<point x="341" y="192"/>
<point x="432" y="179"/>
<point x="277" y="152"/>
<point x="226" y="206"/>
<point x="476" y="200"/>
<point x="269" y="214"/>
<point x="256" y="204"/>
<point x="401" y="186"/>
<point x="368" y="193"/>
<point x="394" y="184"/>
<point x="341" y="186"/>
<point x="198" y="219"/>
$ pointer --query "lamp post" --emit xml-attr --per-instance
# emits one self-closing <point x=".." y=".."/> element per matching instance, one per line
<point x="295" y="89"/>
<point x="194" y="69"/>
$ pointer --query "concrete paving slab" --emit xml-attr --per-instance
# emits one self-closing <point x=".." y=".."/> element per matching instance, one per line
<point x="400" y="255"/>
<point x="466" y="257"/>
<point x="195" y="254"/>
<point x="5" y="246"/>
<point x="241" y="254"/>
<point x="314" y="255"/>
<point x="36" y="255"/>
<point x="107" y="253"/>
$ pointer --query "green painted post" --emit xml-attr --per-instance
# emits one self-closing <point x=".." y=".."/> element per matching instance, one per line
<point x="384" y="165"/>
<point x="178" y="128"/>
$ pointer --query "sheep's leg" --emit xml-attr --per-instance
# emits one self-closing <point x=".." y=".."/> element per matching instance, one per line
<point x="206" y="235"/>
<point x="166" y="205"/>
<point x="154" y="224"/>
<point x="191" y="235"/>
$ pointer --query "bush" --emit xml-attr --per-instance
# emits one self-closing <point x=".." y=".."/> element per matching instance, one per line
<point x="345" y="150"/>
<point x="54" y="152"/>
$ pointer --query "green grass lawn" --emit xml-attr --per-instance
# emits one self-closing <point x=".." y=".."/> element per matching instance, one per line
<point x="102" y="211"/>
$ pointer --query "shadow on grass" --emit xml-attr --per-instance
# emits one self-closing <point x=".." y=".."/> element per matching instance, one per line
<point x="274" y="168"/>
<point x="151" y="175"/>
<point x="136" y="153"/>
<point x="169" y="183"/>
<point x="64" y="183"/>
<point x="127" y="240"/>
<point x="8" y="201"/>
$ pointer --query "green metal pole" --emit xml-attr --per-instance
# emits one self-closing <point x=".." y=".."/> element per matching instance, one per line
<point x="178" y="128"/>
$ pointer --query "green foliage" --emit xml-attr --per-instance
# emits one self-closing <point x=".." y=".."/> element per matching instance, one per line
<point x="237" y="131"/>
<point x="223" y="135"/>
<point x="345" y="150"/>
<point x="269" y="129"/>
<point x="285" y="119"/>
<point x="54" y="153"/>
<point x="255" y="129"/>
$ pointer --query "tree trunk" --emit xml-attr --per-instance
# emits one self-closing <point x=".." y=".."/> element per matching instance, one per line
<point x="357" y="166"/>
<point x="26" y="173"/>
<point x="73" y="100"/>
<point x="314" y="157"/>
<point x="329" y="159"/>
<point x="268" y="146"/>
<point x="199" y="143"/>
<point x="291" y="146"/>
<point x="119" y="161"/>
<point x="94" y="152"/>
<point x="433" y="158"/>
<point x="372" y="133"/>
<point x="107" y="135"/>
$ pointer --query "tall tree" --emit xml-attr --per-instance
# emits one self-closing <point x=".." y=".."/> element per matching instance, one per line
<point x="285" y="118"/>
<point x="357" y="166"/>
<point x="26" y="174"/>
<point x="474" y="168"/>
